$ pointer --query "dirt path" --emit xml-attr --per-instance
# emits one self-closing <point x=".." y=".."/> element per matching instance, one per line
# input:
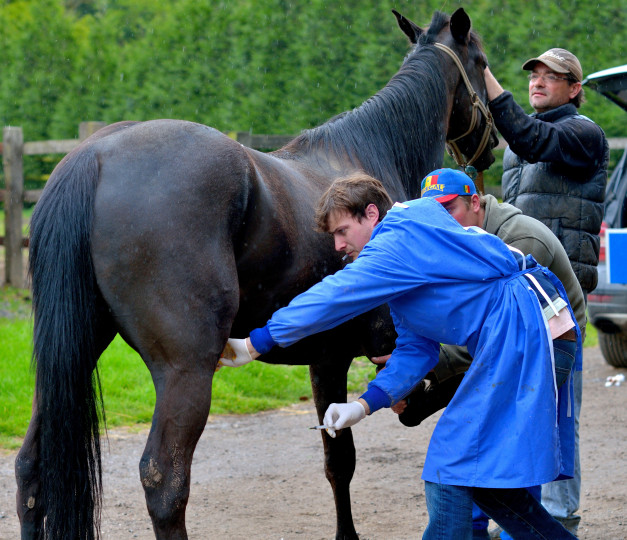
<point x="261" y="477"/>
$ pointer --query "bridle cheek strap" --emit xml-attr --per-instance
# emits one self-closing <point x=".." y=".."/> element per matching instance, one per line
<point x="477" y="105"/>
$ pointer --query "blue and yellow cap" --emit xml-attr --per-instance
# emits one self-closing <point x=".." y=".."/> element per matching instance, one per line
<point x="446" y="184"/>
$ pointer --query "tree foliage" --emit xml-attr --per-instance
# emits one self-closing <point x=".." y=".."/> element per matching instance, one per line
<point x="271" y="66"/>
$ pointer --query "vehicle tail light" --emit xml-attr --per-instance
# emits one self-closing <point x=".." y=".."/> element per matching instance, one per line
<point x="602" y="237"/>
<point x="600" y="298"/>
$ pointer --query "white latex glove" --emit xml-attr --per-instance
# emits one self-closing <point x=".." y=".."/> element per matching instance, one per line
<point x="343" y="415"/>
<point x="235" y="353"/>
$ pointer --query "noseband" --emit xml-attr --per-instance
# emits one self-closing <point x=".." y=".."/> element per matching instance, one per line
<point x="477" y="105"/>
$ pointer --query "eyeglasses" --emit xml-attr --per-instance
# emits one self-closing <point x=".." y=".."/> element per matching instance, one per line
<point x="547" y="77"/>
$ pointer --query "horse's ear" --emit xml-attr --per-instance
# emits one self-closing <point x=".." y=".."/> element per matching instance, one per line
<point x="411" y="29"/>
<point x="460" y="26"/>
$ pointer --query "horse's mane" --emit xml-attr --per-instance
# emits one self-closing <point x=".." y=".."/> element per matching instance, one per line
<point x="395" y="135"/>
<point x="391" y="132"/>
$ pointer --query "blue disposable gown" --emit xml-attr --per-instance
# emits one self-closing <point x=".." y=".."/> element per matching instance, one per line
<point x="446" y="284"/>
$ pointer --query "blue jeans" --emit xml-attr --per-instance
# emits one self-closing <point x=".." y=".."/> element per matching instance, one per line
<point x="520" y="514"/>
<point x="535" y="493"/>
<point x="564" y="353"/>
<point x="560" y="498"/>
<point x="450" y="513"/>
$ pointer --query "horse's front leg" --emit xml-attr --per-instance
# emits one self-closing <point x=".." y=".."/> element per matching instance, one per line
<point x="182" y="407"/>
<point x="329" y="386"/>
<point x="30" y="506"/>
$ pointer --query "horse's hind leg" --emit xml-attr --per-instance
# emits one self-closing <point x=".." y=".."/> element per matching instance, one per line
<point x="183" y="400"/>
<point x="181" y="347"/>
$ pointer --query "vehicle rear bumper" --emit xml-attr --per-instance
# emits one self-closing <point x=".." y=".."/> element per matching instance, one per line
<point x="610" y="323"/>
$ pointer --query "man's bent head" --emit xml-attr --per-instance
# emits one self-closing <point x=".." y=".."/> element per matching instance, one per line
<point x="446" y="184"/>
<point x="350" y="210"/>
<point x="352" y="194"/>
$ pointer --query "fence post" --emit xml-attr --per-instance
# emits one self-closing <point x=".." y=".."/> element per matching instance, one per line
<point x="12" y="160"/>
<point x="85" y="129"/>
<point x="245" y="138"/>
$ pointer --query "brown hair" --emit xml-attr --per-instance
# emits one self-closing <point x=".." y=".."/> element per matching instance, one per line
<point x="352" y="194"/>
<point x="482" y="200"/>
<point x="580" y="98"/>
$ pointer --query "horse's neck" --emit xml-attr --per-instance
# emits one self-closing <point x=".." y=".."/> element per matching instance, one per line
<point x="397" y="136"/>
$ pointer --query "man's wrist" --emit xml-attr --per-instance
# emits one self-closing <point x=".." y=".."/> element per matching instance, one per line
<point x="364" y="404"/>
<point x="374" y="398"/>
<point x="261" y="340"/>
<point x="493" y="87"/>
<point x="252" y="351"/>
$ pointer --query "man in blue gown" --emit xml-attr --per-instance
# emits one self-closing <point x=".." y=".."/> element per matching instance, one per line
<point x="445" y="284"/>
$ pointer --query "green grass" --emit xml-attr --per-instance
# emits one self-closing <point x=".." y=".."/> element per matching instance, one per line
<point x="14" y="303"/>
<point x="26" y="214"/>
<point x="128" y="392"/>
<point x="592" y="338"/>
<point x="16" y="380"/>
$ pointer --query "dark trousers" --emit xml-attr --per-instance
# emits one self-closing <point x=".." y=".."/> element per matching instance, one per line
<point x="450" y="513"/>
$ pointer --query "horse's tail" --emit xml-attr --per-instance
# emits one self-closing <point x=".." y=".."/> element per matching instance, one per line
<point x="67" y="393"/>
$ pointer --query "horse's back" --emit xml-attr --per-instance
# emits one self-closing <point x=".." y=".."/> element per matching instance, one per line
<point x="188" y="224"/>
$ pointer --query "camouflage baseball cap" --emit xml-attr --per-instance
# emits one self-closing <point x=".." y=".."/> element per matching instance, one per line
<point x="560" y="61"/>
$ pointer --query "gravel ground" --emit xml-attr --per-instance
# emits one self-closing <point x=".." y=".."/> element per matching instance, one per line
<point x="260" y="476"/>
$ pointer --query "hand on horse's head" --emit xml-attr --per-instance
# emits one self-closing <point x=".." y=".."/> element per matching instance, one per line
<point x="493" y="87"/>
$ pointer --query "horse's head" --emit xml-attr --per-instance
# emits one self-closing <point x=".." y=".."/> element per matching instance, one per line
<point x="470" y="134"/>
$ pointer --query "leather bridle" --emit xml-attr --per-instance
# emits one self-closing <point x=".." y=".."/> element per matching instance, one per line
<point x="477" y="106"/>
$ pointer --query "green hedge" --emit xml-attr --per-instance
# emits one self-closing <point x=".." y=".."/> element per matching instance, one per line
<point x="268" y="65"/>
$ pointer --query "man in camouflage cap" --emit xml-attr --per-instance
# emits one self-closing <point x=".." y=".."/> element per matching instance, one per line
<point x="555" y="170"/>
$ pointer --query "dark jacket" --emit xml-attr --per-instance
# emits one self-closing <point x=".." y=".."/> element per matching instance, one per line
<point x="555" y="170"/>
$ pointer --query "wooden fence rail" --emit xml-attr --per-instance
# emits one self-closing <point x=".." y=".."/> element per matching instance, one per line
<point x="13" y="149"/>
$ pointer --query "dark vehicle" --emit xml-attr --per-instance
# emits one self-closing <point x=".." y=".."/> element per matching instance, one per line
<point x="607" y="304"/>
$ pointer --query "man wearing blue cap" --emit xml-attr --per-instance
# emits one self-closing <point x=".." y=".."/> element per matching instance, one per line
<point x="506" y="428"/>
<point x="459" y="197"/>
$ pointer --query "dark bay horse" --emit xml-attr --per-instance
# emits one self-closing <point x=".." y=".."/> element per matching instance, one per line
<point x="176" y="237"/>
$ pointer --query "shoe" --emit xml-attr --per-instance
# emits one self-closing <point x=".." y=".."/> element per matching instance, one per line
<point x="571" y="523"/>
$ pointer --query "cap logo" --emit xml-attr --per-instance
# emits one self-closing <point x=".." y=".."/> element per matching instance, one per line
<point x="554" y="55"/>
<point x="446" y="184"/>
<point x="431" y="182"/>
